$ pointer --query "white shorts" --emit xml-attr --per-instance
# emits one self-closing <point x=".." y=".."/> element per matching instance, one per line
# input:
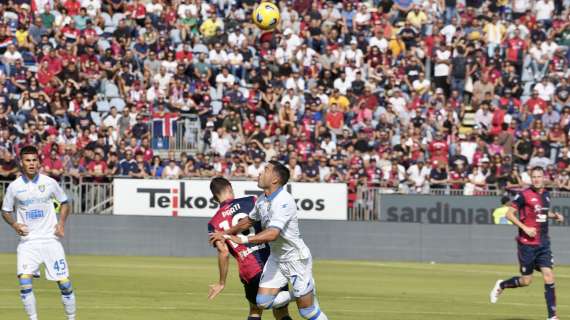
<point x="31" y="254"/>
<point x="277" y="274"/>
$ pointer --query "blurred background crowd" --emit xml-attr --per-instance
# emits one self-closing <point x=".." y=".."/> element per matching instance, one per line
<point x="410" y="95"/>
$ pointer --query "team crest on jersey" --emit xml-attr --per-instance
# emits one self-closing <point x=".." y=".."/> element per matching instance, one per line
<point x="42" y="188"/>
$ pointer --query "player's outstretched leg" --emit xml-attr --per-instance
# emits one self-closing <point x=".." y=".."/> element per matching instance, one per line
<point x="67" y="298"/>
<point x="27" y="296"/>
<point x="514" y="282"/>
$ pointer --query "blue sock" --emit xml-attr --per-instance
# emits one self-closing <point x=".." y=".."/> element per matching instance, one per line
<point x="550" y="296"/>
<point x="511" y="283"/>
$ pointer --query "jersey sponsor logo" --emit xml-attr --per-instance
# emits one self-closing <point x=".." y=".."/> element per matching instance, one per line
<point x="243" y="254"/>
<point x="28" y="202"/>
<point x="284" y="206"/>
<point x="34" y="214"/>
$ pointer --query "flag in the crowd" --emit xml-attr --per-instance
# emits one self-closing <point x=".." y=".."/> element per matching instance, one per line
<point x="164" y="125"/>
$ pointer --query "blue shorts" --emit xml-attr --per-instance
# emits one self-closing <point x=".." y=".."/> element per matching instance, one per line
<point x="534" y="257"/>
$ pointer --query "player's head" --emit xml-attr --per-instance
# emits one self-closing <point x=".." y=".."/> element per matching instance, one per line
<point x="274" y="174"/>
<point x="29" y="160"/>
<point x="221" y="189"/>
<point x="537" y="177"/>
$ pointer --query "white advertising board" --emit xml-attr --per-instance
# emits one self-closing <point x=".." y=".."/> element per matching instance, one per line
<point x="192" y="198"/>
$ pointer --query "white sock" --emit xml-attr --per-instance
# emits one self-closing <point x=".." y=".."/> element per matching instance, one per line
<point x="281" y="299"/>
<point x="69" y="305"/>
<point x="29" y="301"/>
<point x="322" y="316"/>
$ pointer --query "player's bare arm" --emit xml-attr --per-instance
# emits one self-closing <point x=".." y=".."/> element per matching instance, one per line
<point x="60" y="227"/>
<point x="557" y="216"/>
<point x="21" y="229"/>
<point x="511" y="216"/>
<point x="243" y="225"/>
<point x="265" y="236"/>
<point x="223" y="266"/>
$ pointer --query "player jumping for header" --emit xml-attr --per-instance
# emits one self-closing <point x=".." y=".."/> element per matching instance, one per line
<point x="533" y="206"/>
<point x="31" y="195"/>
<point x="250" y="257"/>
<point x="290" y="260"/>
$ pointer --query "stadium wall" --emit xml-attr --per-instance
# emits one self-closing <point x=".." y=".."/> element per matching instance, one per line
<point x="168" y="236"/>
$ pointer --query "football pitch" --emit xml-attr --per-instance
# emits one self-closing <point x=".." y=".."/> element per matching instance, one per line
<point x="126" y="288"/>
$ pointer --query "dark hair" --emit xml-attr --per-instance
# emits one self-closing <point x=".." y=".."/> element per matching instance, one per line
<point x="281" y="171"/>
<point x="28" y="150"/>
<point x="537" y="168"/>
<point x="505" y="200"/>
<point x="217" y="185"/>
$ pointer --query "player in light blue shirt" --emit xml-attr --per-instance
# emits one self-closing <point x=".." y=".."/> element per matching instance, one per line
<point x="31" y="197"/>
<point x="290" y="261"/>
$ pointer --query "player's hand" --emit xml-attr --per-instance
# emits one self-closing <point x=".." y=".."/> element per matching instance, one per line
<point x="216" y="236"/>
<point x="59" y="230"/>
<point x="558" y="217"/>
<point x="215" y="290"/>
<point x="531" y="232"/>
<point x="21" y="229"/>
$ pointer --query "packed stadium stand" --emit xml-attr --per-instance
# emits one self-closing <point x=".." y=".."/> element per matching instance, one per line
<point x="409" y="95"/>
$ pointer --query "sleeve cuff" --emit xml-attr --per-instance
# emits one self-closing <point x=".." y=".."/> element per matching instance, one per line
<point x="275" y="227"/>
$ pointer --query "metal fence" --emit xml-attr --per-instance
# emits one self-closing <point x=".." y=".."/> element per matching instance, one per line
<point x="184" y="137"/>
<point x="84" y="196"/>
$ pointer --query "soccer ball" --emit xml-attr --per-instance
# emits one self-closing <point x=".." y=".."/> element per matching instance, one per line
<point x="266" y="16"/>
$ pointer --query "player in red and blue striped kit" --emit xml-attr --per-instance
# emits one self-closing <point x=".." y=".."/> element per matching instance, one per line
<point x="251" y="258"/>
<point x="533" y="206"/>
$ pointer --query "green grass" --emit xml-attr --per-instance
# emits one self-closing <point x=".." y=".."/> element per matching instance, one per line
<point x="128" y="288"/>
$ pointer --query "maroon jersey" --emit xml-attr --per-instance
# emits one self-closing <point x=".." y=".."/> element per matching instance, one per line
<point x="533" y="208"/>
<point x="250" y="257"/>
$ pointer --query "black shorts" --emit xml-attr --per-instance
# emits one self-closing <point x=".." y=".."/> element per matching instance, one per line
<point x="252" y="287"/>
<point x="534" y="257"/>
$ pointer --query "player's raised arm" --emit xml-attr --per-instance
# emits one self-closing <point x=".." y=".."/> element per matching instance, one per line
<point x="223" y="267"/>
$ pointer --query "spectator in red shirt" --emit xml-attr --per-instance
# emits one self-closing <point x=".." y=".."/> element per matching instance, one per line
<point x="52" y="165"/>
<point x="335" y="120"/>
<point x="438" y="149"/>
<point x="98" y="167"/>
<point x="535" y="105"/>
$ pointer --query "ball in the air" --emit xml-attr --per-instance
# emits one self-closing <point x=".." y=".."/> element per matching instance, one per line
<point x="266" y="16"/>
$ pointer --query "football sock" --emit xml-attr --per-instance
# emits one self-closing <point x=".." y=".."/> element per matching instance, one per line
<point x="27" y="296"/>
<point x="513" y="282"/>
<point x="312" y="313"/>
<point x="550" y="296"/>
<point x="67" y="298"/>
<point x="281" y="299"/>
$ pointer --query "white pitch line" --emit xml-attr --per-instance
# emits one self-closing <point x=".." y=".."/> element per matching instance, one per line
<point x="234" y="294"/>
<point x="351" y="311"/>
<point x="432" y="267"/>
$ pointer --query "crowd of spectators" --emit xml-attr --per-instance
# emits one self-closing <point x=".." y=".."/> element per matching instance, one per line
<point x="406" y="94"/>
